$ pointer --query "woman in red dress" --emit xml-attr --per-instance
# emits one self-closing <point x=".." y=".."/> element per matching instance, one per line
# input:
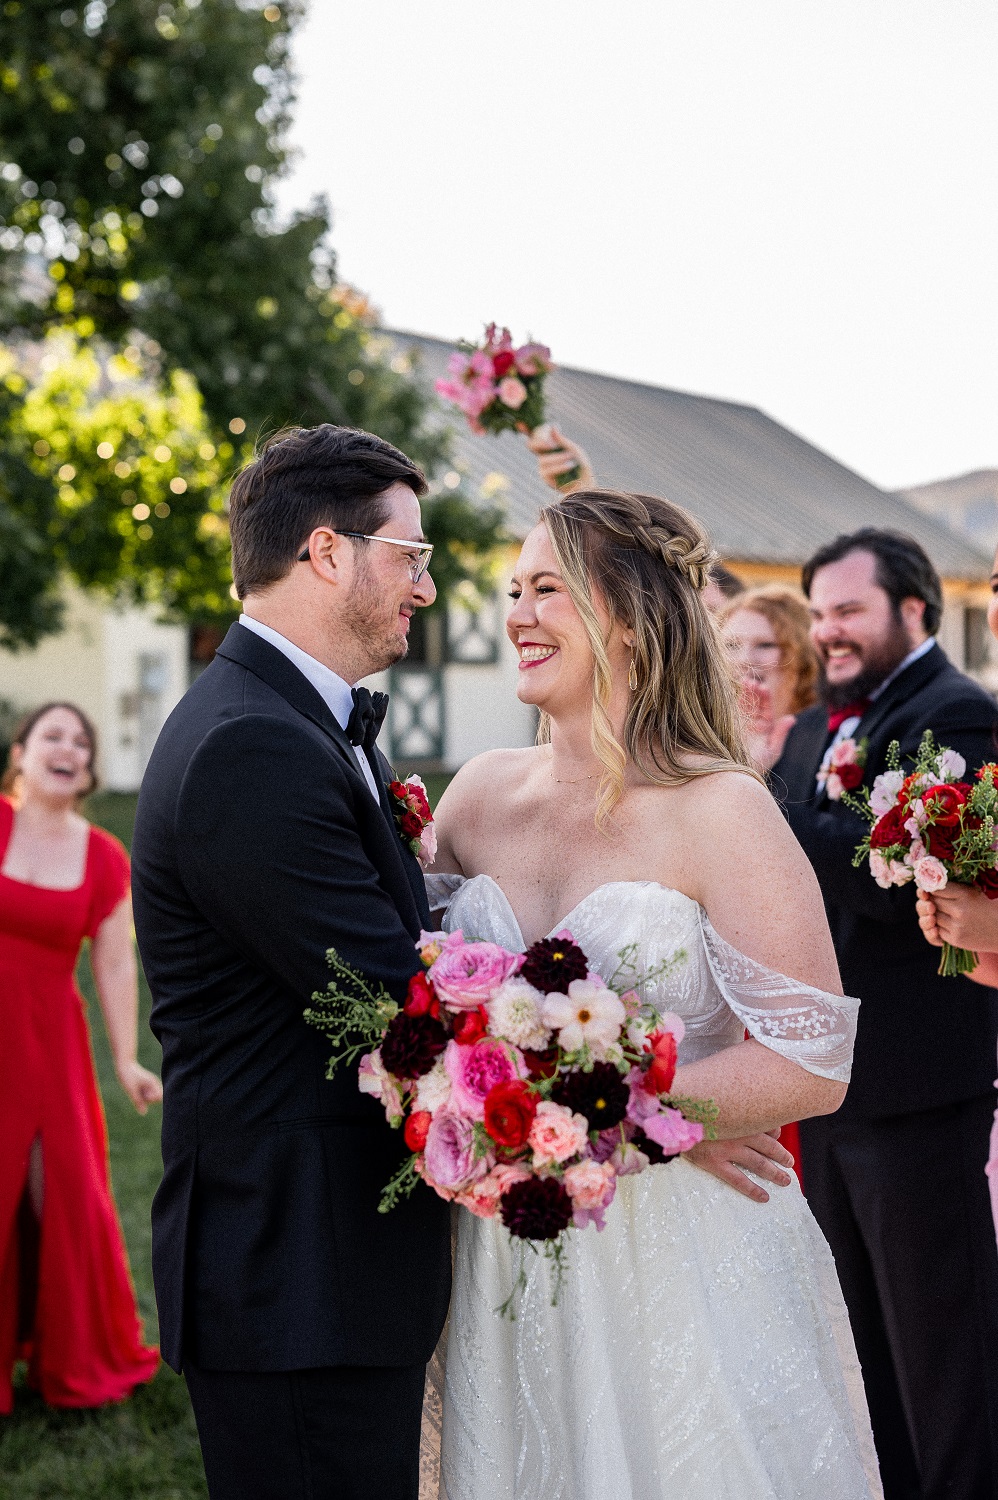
<point x="67" y="1304"/>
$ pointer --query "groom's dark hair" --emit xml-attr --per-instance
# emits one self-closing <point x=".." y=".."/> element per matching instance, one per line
<point x="904" y="569"/>
<point x="304" y="477"/>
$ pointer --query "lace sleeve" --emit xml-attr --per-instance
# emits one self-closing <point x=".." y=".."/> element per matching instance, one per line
<point x="440" y="892"/>
<point x="808" y="1026"/>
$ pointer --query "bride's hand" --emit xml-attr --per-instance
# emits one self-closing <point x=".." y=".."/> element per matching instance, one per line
<point x="730" y="1160"/>
<point x="557" y="454"/>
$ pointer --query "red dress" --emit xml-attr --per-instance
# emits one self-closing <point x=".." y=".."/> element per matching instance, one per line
<point x="84" y="1342"/>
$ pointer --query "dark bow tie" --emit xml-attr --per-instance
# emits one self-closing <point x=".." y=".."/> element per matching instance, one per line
<point x="366" y="717"/>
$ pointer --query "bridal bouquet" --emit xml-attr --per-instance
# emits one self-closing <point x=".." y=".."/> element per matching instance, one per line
<point x="931" y="826"/>
<point x="498" y="387"/>
<point x="524" y="1084"/>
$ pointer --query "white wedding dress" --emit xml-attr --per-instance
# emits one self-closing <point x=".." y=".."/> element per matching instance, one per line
<point x="700" y="1348"/>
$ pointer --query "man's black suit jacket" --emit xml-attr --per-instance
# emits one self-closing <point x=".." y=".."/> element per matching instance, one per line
<point x="258" y="846"/>
<point x="922" y="1041"/>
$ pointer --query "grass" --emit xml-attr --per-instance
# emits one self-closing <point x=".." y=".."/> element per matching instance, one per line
<point x="146" y="1447"/>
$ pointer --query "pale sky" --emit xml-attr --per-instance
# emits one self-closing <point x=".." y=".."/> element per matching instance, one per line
<point x="790" y="203"/>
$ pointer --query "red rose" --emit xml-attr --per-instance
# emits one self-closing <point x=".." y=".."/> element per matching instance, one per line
<point x="890" y="829"/>
<point x="418" y="797"/>
<point x="944" y="802"/>
<point x="850" y="776"/>
<point x="421" y="998"/>
<point x="417" y="1128"/>
<point x="658" y="1078"/>
<point x="411" y="825"/>
<point x="940" y="840"/>
<point x="470" y="1026"/>
<point x="503" y="362"/>
<point x="987" y="880"/>
<point x="398" y="790"/>
<point x="509" y="1113"/>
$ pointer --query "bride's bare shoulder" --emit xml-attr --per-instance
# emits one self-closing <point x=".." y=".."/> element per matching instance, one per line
<point x="495" y="775"/>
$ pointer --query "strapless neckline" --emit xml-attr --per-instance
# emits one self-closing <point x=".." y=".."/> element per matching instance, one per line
<point x="563" y="922"/>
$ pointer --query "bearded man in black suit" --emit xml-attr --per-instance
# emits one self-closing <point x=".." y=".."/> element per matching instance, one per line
<point x="301" y="1317"/>
<point x="896" y="1177"/>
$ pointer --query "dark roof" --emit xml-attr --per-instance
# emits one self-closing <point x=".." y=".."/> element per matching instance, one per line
<point x="764" y="494"/>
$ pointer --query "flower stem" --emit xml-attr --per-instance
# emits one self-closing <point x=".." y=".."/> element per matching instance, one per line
<point x="956" y="961"/>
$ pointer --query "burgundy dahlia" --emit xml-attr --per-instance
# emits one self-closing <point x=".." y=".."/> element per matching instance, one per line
<point x="412" y="1045"/>
<point x="538" y="1209"/>
<point x="602" y="1095"/>
<point x="551" y="964"/>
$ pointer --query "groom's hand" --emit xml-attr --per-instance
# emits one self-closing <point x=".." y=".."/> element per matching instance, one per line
<point x="730" y="1160"/>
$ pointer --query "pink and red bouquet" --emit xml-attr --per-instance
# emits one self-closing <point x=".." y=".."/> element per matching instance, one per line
<point x="498" y="386"/>
<point x="842" y="768"/>
<point x="524" y="1084"/>
<point x="932" y="827"/>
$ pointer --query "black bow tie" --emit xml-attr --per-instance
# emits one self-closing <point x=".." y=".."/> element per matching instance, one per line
<point x="366" y="717"/>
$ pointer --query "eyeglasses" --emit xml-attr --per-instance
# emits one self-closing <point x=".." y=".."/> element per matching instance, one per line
<point x="417" y="565"/>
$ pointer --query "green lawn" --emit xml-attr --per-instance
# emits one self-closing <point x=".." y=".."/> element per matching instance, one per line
<point x="147" y="1448"/>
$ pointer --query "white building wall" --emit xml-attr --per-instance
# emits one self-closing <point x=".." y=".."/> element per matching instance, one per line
<point x="482" y="711"/>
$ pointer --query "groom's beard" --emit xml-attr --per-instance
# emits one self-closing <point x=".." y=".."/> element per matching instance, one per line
<point x="878" y="663"/>
<point x="374" y="622"/>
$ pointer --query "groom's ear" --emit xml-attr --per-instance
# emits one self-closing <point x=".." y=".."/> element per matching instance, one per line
<point x="330" y="556"/>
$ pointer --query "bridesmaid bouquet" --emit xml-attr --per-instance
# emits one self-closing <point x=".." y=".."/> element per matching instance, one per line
<point x="500" y="388"/>
<point x="524" y="1085"/>
<point x="931" y="826"/>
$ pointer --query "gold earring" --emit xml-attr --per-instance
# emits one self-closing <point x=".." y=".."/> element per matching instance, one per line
<point x="632" y="675"/>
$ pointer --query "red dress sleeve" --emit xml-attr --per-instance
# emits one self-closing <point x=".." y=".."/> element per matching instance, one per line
<point x="109" y="877"/>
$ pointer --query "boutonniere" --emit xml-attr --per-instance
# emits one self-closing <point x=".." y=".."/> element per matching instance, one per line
<point x="413" y="818"/>
<point x="842" y="768"/>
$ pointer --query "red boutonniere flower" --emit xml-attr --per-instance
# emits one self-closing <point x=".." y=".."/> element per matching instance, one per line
<point x="413" y="818"/>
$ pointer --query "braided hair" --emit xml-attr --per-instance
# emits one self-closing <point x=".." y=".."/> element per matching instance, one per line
<point x="648" y="560"/>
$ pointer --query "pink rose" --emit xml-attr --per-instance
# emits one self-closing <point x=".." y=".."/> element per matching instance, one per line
<point x="482" y="1197"/>
<point x="901" y="872"/>
<point x="557" y="1134"/>
<point x="833" y="786"/>
<point x="591" y="1187"/>
<point x="467" y="975"/>
<point x="930" y="874"/>
<point x="475" y="1070"/>
<point x="880" y="869"/>
<point x="449" y="1160"/>
<point x="672" y="1132"/>
<point x="844" y="753"/>
<point x="512" y="392"/>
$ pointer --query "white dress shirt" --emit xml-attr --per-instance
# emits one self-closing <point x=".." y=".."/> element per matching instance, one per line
<point x="334" y="692"/>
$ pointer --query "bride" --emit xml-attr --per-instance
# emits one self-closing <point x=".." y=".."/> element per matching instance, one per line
<point x="700" y="1346"/>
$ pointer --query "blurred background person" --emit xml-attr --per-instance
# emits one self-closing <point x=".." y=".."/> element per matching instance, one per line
<point x="767" y="633"/>
<point x="894" y="1178"/>
<point x="963" y="915"/>
<point x="67" y="1304"/>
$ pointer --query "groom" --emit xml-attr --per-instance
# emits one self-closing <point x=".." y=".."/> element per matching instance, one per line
<point x="301" y="1318"/>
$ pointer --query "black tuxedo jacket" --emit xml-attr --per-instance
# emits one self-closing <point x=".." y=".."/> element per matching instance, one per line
<point x="258" y="845"/>
<point x="922" y="1041"/>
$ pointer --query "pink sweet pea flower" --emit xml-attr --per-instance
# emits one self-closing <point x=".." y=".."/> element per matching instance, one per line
<point x="885" y="792"/>
<point x="476" y="1069"/>
<point x="591" y="1186"/>
<point x="467" y="975"/>
<point x="952" y="766"/>
<point x="672" y="1132"/>
<point x="641" y="1105"/>
<point x="427" y="846"/>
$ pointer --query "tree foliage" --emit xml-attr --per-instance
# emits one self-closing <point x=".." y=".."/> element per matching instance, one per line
<point x="151" y="299"/>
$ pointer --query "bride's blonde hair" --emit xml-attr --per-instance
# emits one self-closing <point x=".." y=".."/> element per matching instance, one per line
<point x="648" y="561"/>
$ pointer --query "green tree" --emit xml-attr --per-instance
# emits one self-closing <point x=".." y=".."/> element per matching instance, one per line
<point x="140" y="145"/>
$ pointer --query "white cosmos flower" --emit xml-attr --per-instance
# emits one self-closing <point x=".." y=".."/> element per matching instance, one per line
<point x="589" y="1014"/>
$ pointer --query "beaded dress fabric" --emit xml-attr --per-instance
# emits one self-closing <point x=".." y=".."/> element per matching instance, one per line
<point x="700" y="1346"/>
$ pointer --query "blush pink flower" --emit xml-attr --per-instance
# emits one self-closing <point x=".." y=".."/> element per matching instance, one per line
<point x="844" y="753"/>
<point x="672" y="1132"/>
<point x="375" y="1079"/>
<point x="427" y="845"/>
<point x="533" y="359"/>
<point x="557" y="1134"/>
<point x="885" y="791"/>
<point x="466" y="975"/>
<point x="512" y="392"/>
<point x="591" y="1186"/>
<point x="952" y="766"/>
<point x="482" y="1197"/>
<point x="474" y="1070"/>
<point x="880" y="869"/>
<point x="901" y="872"/>
<point x="449" y="1159"/>
<point x="930" y="874"/>
<point x="833" y="786"/>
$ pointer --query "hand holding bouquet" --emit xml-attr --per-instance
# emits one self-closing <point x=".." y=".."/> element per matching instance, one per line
<point x="932" y="827"/>
<point x="524" y="1084"/>
<point x="500" y="388"/>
